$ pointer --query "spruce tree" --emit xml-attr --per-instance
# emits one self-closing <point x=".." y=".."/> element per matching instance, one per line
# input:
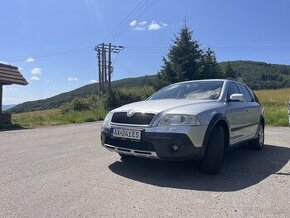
<point x="183" y="61"/>
<point x="210" y="67"/>
<point x="229" y="71"/>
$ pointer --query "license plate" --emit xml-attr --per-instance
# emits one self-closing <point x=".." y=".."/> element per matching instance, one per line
<point x="127" y="134"/>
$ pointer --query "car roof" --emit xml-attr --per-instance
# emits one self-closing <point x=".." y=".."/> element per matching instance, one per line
<point x="207" y="80"/>
<point x="218" y="80"/>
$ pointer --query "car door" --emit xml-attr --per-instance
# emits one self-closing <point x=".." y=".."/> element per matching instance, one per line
<point x="236" y="113"/>
<point x="252" y="112"/>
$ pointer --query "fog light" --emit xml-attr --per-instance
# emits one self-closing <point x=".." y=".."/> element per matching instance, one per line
<point x="174" y="147"/>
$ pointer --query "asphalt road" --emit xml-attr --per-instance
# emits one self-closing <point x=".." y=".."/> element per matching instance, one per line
<point x="64" y="172"/>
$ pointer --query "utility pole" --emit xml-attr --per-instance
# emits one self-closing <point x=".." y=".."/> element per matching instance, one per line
<point x="99" y="64"/>
<point x="110" y="66"/>
<point x="104" y="54"/>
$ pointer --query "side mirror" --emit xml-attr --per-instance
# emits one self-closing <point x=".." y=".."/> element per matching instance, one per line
<point x="237" y="97"/>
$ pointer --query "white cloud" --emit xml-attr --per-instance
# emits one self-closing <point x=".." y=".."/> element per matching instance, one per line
<point x="35" y="78"/>
<point x="139" y="26"/>
<point x="156" y="25"/>
<point x="133" y="23"/>
<point x="36" y="71"/>
<point x="20" y="68"/>
<point x="4" y="62"/>
<point x="143" y="23"/>
<point x="72" y="79"/>
<point x="30" y="59"/>
<point x="93" y="81"/>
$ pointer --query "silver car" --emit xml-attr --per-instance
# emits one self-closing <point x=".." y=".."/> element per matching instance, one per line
<point x="192" y="120"/>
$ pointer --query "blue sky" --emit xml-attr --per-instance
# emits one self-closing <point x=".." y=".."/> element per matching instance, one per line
<point x="236" y="30"/>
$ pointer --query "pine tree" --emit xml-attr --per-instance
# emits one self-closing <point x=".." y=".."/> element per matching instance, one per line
<point x="183" y="61"/>
<point x="229" y="71"/>
<point x="210" y="67"/>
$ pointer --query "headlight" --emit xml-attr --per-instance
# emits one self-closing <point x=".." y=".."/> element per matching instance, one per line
<point x="178" y="119"/>
<point x="107" y="119"/>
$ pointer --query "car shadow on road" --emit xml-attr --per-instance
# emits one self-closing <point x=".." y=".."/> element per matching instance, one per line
<point x="242" y="168"/>
<point x="12" y="127"/>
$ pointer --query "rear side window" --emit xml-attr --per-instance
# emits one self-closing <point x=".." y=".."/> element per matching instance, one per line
<point x="233" y="89"/>
<point x="247" y="95"/>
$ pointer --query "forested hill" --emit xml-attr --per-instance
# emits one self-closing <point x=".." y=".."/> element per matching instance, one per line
<point x="257" y="75"/>
<point x="82" y="92"/>
<point x="261" y="75"/>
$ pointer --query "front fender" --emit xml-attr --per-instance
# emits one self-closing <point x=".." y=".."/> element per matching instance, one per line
<point x="216" y="118"/>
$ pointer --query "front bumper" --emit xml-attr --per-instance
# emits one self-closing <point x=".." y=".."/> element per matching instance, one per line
<point x="159" y="142"/>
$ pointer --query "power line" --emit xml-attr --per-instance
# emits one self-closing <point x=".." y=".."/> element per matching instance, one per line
<point x="141" y="12"/>
<point x="148" y="49"/>
<point x="137" y="10"/>
<point x="137" y="17"/>
<point x="48" y="54"/>
<point x="127" y="18"/>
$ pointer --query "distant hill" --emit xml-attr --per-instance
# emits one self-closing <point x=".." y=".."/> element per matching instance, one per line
<point x="6" y="107"/>
<point x="261" y="75"/>
<point x="83" y="92"/>
<point x="257" y="75"/>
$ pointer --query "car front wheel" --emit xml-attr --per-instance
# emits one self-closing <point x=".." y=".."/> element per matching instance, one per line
<point x="213" y="159"/>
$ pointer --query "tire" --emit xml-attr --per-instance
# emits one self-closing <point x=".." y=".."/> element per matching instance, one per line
<point x="258" y="143"/>
<point x="214" y="154"/>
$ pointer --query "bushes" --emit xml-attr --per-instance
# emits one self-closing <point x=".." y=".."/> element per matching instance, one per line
<point x="118" y="98"/>
<point x="84" y="104"/>
<point x="78" y="104"/>
<point x="105" y="102"/>
<point x="124" y="96"/>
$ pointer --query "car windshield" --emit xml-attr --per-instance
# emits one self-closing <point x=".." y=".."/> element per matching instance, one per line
<point x="196" y="90"/>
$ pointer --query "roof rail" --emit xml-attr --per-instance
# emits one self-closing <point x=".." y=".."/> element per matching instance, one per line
<point x="230" y="78"/>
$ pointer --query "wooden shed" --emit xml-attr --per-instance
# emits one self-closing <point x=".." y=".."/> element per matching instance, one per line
<point x="9" y="75"/>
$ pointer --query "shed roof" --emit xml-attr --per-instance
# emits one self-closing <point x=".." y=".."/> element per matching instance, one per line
<point x="11" y="75"/>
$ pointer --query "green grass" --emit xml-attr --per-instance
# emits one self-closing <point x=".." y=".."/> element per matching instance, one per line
<point x="56" y="117"/>
<point x="275" y="103"/>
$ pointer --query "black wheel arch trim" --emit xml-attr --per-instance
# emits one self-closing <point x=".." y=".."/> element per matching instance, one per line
<point x="264" y="120"/>
<point x="216" y="118"/>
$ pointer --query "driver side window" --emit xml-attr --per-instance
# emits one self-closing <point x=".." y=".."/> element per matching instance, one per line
<point x="233" y="89"/>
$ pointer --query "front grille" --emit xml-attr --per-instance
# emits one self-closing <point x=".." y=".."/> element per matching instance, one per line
<point x="137" y="118"/>
<point x="135" y="145"/>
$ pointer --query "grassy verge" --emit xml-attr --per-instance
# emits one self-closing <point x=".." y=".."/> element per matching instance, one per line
<point x="56" y="117"/>
<point x="275" y="103"/>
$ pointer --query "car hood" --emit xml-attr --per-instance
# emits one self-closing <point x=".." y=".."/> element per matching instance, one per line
<point x="174" y="105"/>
